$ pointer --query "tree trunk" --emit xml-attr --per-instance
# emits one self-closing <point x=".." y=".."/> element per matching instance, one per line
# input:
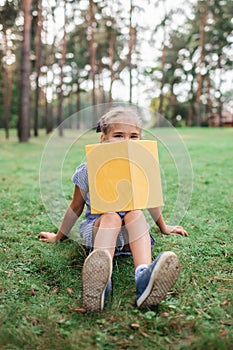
<point x="191" y="114"/>
<point x="209" y="99"/>
<point x="164" y="53"/>
<point x="201" y="61"/>
<point x="48" y="106"/>
<point x="191" y="111"/>
<point x="219" y="99"/>
<point x="131" y="41"/>
<point x="111" y="57"/>
<point x="7" y="90"/>
<point x="92" y="49"/>
<point x="7" y="96"/>
<point x="163" y="58"/>
<point x="78" y="103"/>
<point x="62" y="64"/>
<point x="220" y="108"/>
<point x="173" y="102"/>
<point x="101" y="82"/>
<point x="24" y="99"/>
<point x="49" y="59"/>
<point x="70" y="104"/>
<point x="37" y="66"/>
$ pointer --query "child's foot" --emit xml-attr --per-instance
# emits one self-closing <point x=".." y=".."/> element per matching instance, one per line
<point x="154" y="282"/>
<point x="96" y="276"/>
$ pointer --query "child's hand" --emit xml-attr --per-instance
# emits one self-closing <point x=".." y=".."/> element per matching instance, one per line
<point x="47" y="237"/>
<point x="175" y="230"/>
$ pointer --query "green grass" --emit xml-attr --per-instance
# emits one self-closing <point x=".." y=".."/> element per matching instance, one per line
<point x="36" y="279"/>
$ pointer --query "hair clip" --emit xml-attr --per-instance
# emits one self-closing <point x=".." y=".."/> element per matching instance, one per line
<point x="98" y="128"/>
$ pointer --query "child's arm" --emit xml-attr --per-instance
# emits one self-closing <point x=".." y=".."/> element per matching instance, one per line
<point x="73" y="212"/>
<point x="165" y="229"/>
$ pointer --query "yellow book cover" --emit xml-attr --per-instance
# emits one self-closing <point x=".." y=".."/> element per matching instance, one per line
<point x="123" y="176"/>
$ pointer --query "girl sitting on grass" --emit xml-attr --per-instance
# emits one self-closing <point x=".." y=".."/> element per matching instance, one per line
<point x="106" y="233"/>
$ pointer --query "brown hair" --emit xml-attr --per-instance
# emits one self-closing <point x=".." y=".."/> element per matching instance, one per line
<point x="127" y="115"/>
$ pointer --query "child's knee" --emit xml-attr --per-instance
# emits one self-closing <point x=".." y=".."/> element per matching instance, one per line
<point x="113" y="219"/>
<point x="134" y="215"/>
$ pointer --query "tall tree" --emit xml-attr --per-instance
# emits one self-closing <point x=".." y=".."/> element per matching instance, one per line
<point x="111" y="43"/>
<point x="48" y="59"/>
<point x="210" y="41"/>
<point x="131" y="44"/>
<point x="220" y="55"/>
<point x="163" y="63"/>
<point x="201" y="61"/>
<point x="92" y="48"/>
<point x="37" y="64"/>
<point x="78" y="43"/>
<point x="50" y="53"/>
<point x="8" y="14"/>
<point x="7" y="95"/>
<point x="166" y="32"/>
<point x="24" y="99"/>
<point x="62" y="66"/>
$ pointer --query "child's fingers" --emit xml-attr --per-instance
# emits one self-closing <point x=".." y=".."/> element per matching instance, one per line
<point x="179" y="230"/>
<point x="183" y="233"/>
<point x="43" y="236"/>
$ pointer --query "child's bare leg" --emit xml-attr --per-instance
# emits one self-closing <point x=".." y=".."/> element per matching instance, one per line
<point x="153" y="280"/>
<point x="139" y="237"/>
<point x="106" y="230"/>
<point x="97" y="268"/>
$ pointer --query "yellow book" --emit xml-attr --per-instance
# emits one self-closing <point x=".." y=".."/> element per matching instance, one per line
<point x="123" y="176"/>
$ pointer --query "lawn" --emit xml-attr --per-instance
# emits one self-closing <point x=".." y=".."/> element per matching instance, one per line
<point x="40" y="284"/>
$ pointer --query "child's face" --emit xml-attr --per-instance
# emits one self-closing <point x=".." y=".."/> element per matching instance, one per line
<point x="121" y="131"/>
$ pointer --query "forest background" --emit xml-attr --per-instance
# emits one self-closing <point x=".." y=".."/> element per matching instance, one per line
<point x="59" y="57"/>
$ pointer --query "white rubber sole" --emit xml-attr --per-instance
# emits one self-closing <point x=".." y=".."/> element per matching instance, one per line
<point x="96" y="273"/>
<point x="163" y="277"/>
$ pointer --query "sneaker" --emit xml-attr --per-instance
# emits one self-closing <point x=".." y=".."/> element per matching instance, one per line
<point x="154" y="282"/>
<point x="96" y="277"/>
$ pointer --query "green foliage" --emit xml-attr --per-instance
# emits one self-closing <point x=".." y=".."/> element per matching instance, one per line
<point x="14" y="105"/>
<point x="175" y="77"/>
<point x="182" y="62"/>
<point x="37" y="279"/>
<point x="154" y="104"/>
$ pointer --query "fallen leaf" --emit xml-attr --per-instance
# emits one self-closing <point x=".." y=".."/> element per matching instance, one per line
<point x="225" y="323"/>
<point x="77" y="309"/>
<point x="217" y="278"/>
<point x="70" y="291"/>
<point x="144" y="334"/>
<point x="223" y="333"/>
<point x="33" y="291"/>
<point x="135" y="325"/>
